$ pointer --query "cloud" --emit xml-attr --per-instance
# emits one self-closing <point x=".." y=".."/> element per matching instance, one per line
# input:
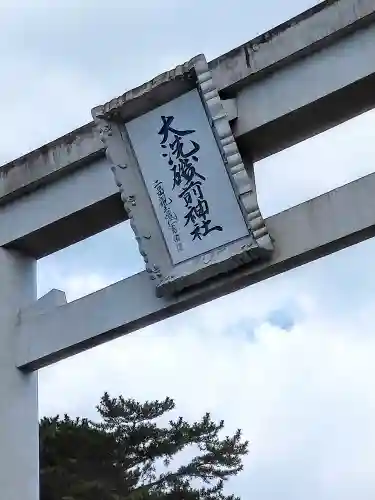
<point x="281" y="318"/>
<point x="303" y="397"/>
<point x="108" y="257"/>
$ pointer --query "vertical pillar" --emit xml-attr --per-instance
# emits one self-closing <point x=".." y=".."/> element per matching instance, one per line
<point x="19" y="440"/>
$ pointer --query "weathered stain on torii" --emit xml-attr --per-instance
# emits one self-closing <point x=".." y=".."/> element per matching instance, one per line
<point x="309" y="31"/>
<point x="48" y="162"/>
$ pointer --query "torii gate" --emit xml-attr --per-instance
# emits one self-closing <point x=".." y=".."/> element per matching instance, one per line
<point x="322" y="64"/>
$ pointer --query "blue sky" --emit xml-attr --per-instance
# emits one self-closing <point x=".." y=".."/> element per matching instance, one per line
<point x="289" y="360"/>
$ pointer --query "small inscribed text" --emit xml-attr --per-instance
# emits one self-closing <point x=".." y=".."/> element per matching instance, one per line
<point x="170" y="217"/>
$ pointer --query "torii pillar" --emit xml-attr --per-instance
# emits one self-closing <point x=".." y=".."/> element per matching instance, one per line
<point x="19" y="427"/>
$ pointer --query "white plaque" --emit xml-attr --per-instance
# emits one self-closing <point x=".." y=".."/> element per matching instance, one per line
<point x="190" y="199"/>
<point x="186" y="178"/>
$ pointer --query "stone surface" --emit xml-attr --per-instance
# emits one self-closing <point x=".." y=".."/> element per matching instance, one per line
<point x="19" y="429"/>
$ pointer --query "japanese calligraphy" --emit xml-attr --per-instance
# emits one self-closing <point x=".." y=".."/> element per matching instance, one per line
<point x="170" y="217"/>
<point x="182" y="156"/>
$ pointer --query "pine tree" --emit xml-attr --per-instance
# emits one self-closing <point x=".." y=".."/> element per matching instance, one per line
<point x="130" y="455"/>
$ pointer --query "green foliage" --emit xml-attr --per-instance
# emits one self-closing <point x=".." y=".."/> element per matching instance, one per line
<point x="130" y="455"/>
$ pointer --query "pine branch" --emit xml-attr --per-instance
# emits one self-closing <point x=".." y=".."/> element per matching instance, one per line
<point x="118" y="458"/>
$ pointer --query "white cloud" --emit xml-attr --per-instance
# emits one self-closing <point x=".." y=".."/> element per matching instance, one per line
<point x="304" y="398"/>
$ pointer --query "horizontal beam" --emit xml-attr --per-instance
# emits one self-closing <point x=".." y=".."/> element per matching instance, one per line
<point x="309" y="96"/>
<point x="302" y="234"/>
<point x="313" y="30"/>
<point x="310" y="31"/>
<point x="70" y="209"/>
<point x="299" y="124"/>
<point x="49" y="162"/>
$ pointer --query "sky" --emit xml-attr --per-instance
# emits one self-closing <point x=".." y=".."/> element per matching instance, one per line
<point x="289" y="360"/>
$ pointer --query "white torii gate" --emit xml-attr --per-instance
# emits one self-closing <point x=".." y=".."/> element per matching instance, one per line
<point x="322" y="64"/>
